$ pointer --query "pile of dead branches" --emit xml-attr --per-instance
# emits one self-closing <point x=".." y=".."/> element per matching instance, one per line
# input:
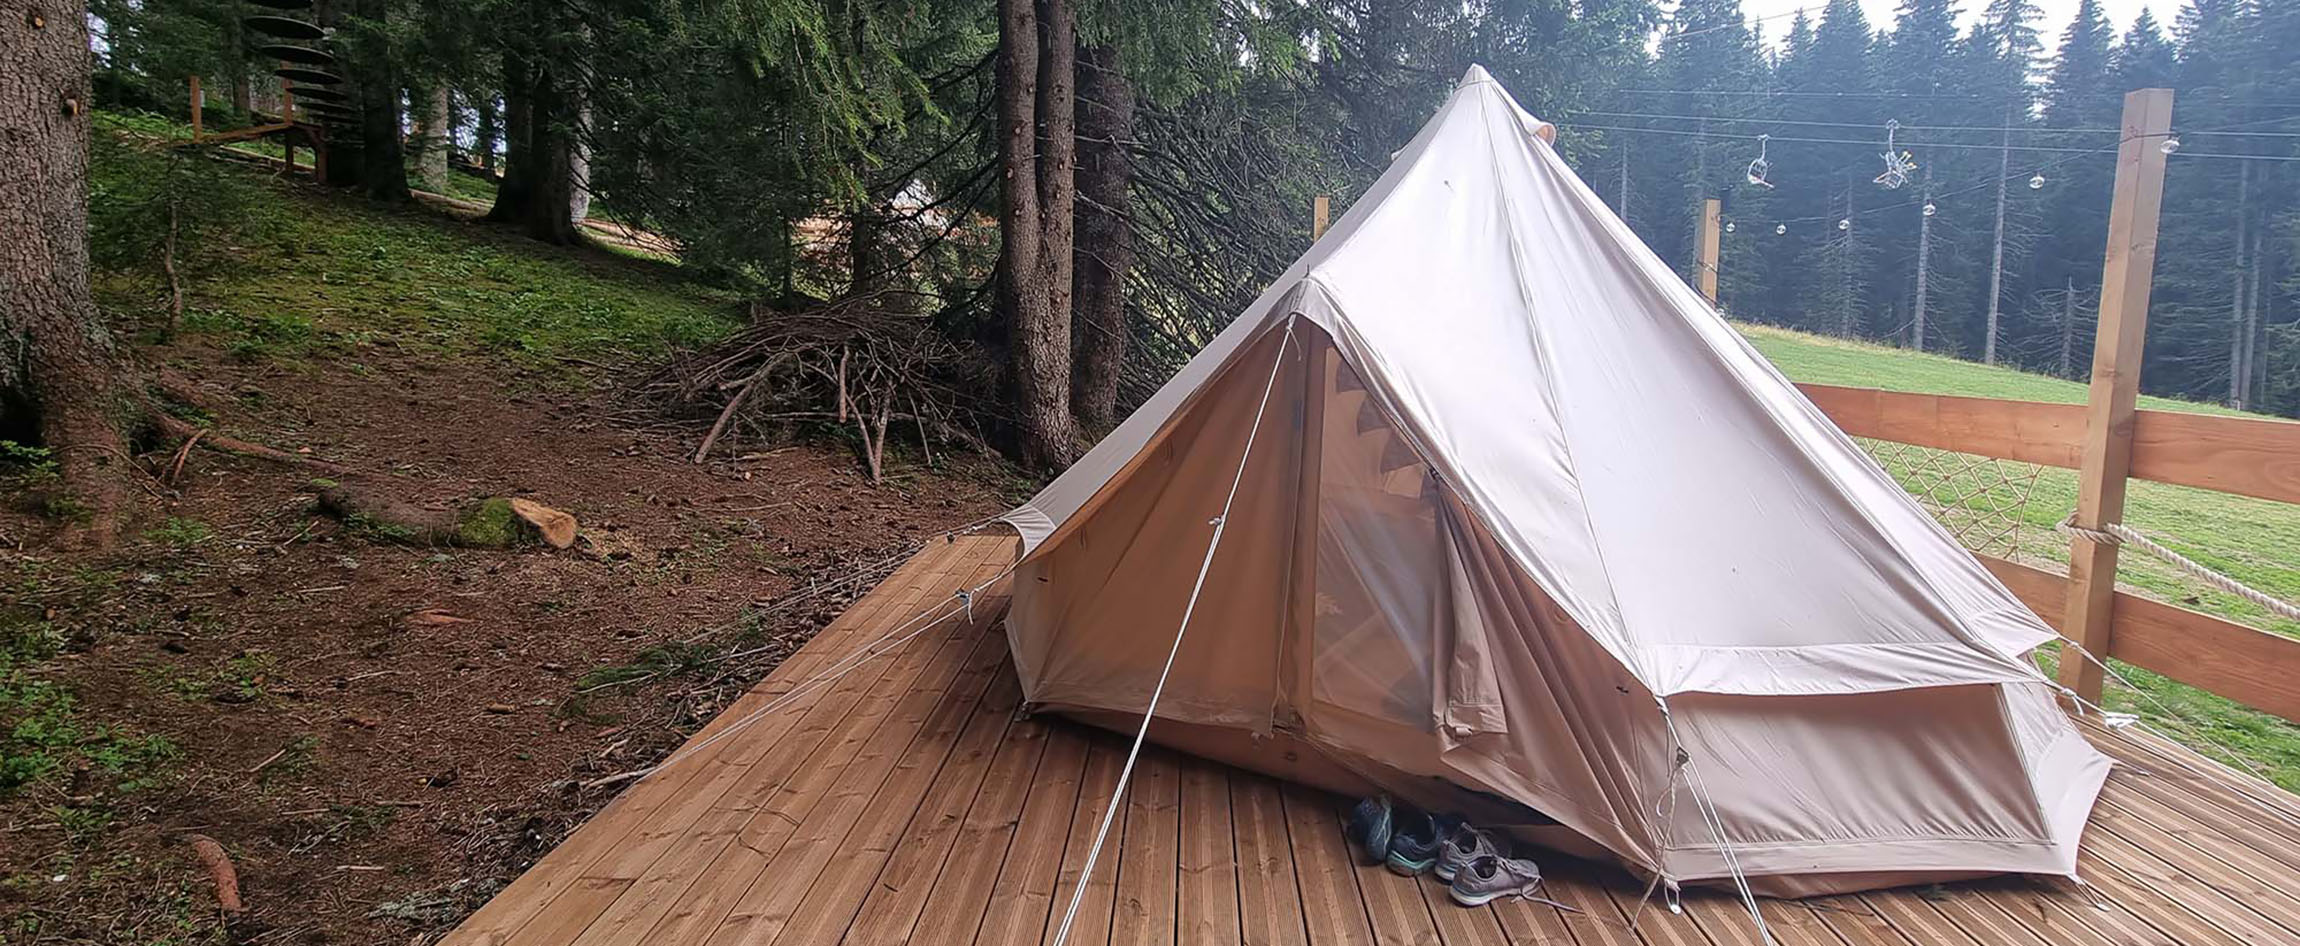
<point x="867" y="362"/>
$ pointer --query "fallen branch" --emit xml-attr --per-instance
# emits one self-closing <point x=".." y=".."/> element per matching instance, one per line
<point x="177" y="427"/>
<point x="486" y="523"/>
<point x="219" y="865"/>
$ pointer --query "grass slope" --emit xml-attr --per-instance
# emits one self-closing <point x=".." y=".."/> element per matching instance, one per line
<point x="2253" y="540"/>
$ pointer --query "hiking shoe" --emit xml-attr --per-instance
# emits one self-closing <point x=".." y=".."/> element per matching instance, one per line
<point x="1492" y="877"/>
<point x="1369" y="826"/>
<point x="1461" y="846"/>
<point x="1414" y="841"/>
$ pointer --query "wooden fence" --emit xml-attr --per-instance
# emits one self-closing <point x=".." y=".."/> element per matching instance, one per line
<point x="2243" y="455"/>
<point x="2108" y="441"/>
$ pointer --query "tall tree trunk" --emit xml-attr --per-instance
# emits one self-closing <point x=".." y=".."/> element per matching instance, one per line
<point x="489" y="132"/>
<point x="537" y="191"/>
<point x="382" y="152"/>
<point x="2236" y="291"/>
<point x="2068" y="328"/>
<point x="243" y="91"/>
<point x="1924" y="261"/>
<point x="579" y="165"/>
<point x="511" y="192"/>
<point x="58" y="364"/>
<point x="432" y="137"/>
<point x="1997" y="250"/>
<point x="1105" y="252"/>
<point x="1038" y="157"/>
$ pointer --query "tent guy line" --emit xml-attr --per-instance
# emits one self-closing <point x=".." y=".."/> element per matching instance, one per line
<point x="1213" y="544"/>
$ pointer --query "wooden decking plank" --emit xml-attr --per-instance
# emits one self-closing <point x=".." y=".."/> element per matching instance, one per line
<point x="2131" y="815"/>
<point x="1399" y="914"/>
<point x="2234" y="793"/>
<point x="2102" y="861"/>
<point x="1655" y="925"/>
<point x="778" y="809"/>
<point x="1528" y="923"/>
<point x="1333" y="909"/>
<point x="1592" y="919"/>
<point x="1023" y="895"/>
<point x="571" y="913"/>
<point x="2046" y="912"/>
<point x="1981" y="919"/>
<point x="529" y="894"/>
<point x="934" y="890"/>
<point x="910" y="821"/>
<point x="2143" y="793"/>
<point x="930" y="721"/>
<point x="1856" y="922"/>
<point x="1914" y="917"/>
<point x="2261" y="794"/>
<point x="797" y="764"/>
<point x="1208" y="898"/>
<point x="1270" y="902"/>
<point x="2158" y="912"/>
<point x="1723" y="919"/>
<point x="1091" y="924"/>
<point x="2241" y="898"/>
<point x="1149" y="863"/>
<point x="1458" y="925"/>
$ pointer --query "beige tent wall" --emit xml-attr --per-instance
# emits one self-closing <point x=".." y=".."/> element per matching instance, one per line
<point x="1106" y="594"/>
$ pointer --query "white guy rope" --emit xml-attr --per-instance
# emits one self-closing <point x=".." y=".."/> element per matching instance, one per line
<point x="864" y="573"/>
<point x="2117" y="533"/>
<point x="1219" y="522"/>
<point x="827" y="674"/>
<point x="2194" y="730"/>
<point x="1715" y="823"/>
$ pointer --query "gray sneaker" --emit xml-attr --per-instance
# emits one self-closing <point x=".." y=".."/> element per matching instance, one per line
<point x="1463" y="845"/>
<point x="1492" y="877"/>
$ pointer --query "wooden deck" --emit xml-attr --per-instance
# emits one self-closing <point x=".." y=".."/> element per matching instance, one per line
<point x="906" y="803"/>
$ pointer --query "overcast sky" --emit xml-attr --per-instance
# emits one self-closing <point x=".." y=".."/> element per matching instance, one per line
<point x="1880" y="12"/>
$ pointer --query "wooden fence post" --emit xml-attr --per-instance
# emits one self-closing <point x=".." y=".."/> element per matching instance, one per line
<point x="2105" y="455"/>
<point x="1712" y="214"/>
<point x="196" y="106"/>
<point x="1321" y="210"/>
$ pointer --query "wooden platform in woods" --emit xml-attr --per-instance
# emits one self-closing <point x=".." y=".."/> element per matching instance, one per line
<point x="905" y="803"/>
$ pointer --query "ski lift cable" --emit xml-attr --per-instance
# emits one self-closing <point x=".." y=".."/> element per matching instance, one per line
<point x="2224" y="130"/>
<point x="1821" y="124"/>
<point x="2039" y="149"/>
<point x="1840" y="94"/>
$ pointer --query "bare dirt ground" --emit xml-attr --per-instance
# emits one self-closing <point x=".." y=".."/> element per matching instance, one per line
<point x="381" y="735"/>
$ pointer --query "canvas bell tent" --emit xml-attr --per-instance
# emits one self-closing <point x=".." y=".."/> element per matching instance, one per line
<point x="1519" y="526"/>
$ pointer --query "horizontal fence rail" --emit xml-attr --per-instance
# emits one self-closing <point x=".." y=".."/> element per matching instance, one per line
<point x="2244" y="455"/>
<point x="2249" y="456"/>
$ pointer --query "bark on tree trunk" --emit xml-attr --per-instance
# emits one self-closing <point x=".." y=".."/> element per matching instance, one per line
<point x="511" y="193"/>
<point x="489" y="132"/>
<point x="382" y="154"/>
<point x="432" y="136"/>
<point x="58" y="362"/>
<point x="579" y="166"/>
<point x="1038" y="157"/>
<point x="1105" y="252"/>
<point x="537" y="191"/>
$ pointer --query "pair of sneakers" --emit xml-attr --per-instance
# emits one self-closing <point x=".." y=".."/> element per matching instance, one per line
<point x="1412" y="842"/>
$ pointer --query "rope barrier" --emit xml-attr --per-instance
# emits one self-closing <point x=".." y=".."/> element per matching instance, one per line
<point x="2117" y="533"/>
<point x="1219" y="522"/>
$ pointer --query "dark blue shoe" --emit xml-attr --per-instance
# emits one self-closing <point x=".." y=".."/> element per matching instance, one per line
<point x="1414" y="842"/>
<point x="1369" y="828"/>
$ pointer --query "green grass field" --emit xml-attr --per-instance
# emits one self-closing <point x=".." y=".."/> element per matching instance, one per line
<point x="2256" y="541"/>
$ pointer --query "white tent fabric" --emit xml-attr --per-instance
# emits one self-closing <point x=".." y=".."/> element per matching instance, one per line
<point x="1529" y="492"/>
